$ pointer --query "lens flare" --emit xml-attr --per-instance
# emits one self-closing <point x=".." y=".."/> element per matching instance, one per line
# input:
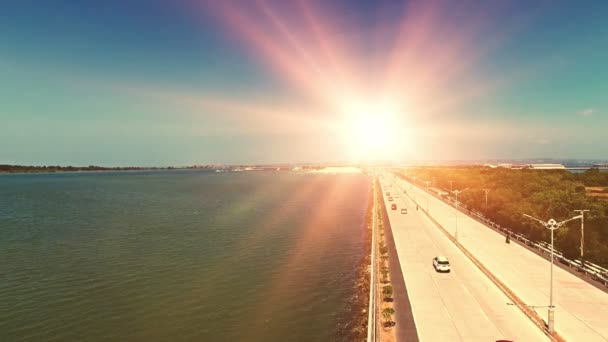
<point x="422" y="71"/>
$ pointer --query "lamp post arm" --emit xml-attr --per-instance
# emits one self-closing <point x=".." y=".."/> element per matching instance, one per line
<point x="568" y="220"/>
<point x="535" y="219"/>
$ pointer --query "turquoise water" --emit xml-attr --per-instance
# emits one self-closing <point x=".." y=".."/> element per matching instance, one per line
<point x="179" y="256"/>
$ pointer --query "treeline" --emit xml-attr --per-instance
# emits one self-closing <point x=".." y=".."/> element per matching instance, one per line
<point x="592" y="177"/>
<point x="543" y="194"/>
<point x="31" y="169"/>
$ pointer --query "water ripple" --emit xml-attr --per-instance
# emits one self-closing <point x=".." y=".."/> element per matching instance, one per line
<point x="178" y="256"/>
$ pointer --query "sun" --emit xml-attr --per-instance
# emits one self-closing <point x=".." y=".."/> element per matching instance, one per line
<point x="373" y="132"/>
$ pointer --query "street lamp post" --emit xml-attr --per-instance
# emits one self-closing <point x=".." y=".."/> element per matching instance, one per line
<point x="551" y="225"/>
<point x="486" y="191"/>
<point x="451" y="185"/>
<point x="582" y="215"/>
<point x="427" y="195"/>
<point x="456" y="192"/>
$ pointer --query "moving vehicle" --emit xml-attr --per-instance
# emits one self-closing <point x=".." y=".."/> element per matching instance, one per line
<point x="441" y="264"/>
<point x="393" y="206"/>
<point x="390" y="198"/>
<point x="404" y="211"/>
<point x="388" y="193"/>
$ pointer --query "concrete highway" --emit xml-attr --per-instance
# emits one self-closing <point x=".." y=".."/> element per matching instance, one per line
<point x="463" y="305"/>
<point x="581" y="309"/>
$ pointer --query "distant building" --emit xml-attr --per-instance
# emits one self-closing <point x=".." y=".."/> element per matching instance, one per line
<point x="513" y="166"/>
<point x="546" y="166"/>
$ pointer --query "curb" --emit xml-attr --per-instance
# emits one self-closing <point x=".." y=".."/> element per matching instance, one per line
<point x="371" y="320"/>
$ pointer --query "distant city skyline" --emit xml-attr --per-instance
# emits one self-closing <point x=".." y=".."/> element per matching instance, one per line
<point x="160" y="83"/>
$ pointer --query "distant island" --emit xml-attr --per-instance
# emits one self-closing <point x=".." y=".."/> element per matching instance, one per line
<point x="338" y="168"/>
<point x="5" y="168"/>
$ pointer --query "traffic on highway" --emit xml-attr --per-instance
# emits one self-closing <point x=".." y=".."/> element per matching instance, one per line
<point x="581" y="308"/>
<point x="451" y="299"/>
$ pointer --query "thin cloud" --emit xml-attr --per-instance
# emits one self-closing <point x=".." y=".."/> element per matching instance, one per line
<point x="587" y="112"/>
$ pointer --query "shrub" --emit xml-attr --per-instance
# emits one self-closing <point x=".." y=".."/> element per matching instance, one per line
<point x="384" y="271"/>
<point x="383" y="249"/>
<point x="387" y="314"/>
<point x="387" y="291"/>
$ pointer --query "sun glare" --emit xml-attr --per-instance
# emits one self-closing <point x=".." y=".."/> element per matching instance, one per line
<point x="372" y="132"/>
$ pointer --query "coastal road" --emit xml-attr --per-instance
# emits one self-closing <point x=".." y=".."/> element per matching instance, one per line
<point x="581" y="309"/>
<point x="463" y="305"/>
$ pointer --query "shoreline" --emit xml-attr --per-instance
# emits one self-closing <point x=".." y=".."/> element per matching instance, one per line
<point x="353" y="326"/>
<point x="53" y="171"/>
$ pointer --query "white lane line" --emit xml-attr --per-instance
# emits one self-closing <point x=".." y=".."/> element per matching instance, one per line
<point x="588" y="325"/>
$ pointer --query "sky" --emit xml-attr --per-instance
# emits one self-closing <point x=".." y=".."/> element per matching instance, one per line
<point x="158" y="83"/>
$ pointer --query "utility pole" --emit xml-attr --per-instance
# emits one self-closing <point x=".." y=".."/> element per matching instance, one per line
<point x="582" y="212"/>
<point x="486" y="191"/>
<point x="456" y="192"/>
<point x="427" y="195"/>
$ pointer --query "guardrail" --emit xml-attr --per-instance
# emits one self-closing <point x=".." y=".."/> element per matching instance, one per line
<point x="596" y="272"/>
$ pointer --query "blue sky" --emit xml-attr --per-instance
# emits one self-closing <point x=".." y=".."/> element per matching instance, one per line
<point x="194" y="82"/>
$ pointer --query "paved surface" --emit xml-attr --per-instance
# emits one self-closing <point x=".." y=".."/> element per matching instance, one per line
<point x="405" y="328"/>
<point x="581" y="309"/>
<point x="463" y="305"/>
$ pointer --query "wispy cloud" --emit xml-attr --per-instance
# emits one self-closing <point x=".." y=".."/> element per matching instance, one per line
<point x="587" y="112"/>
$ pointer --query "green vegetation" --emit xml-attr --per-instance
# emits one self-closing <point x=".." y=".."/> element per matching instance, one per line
<point x="384" y="271"/>
<point x="593" y="177"/>
<point x="541" y="193"/>
<point x="387" y="291"/>
<point x="387" y="314"/>
<point x="383" y="249"/>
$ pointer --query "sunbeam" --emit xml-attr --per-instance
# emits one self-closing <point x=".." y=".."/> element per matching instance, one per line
<point x="425" y="71"/>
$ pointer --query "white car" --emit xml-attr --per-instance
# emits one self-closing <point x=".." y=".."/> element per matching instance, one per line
<point x="441" y="264"/>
